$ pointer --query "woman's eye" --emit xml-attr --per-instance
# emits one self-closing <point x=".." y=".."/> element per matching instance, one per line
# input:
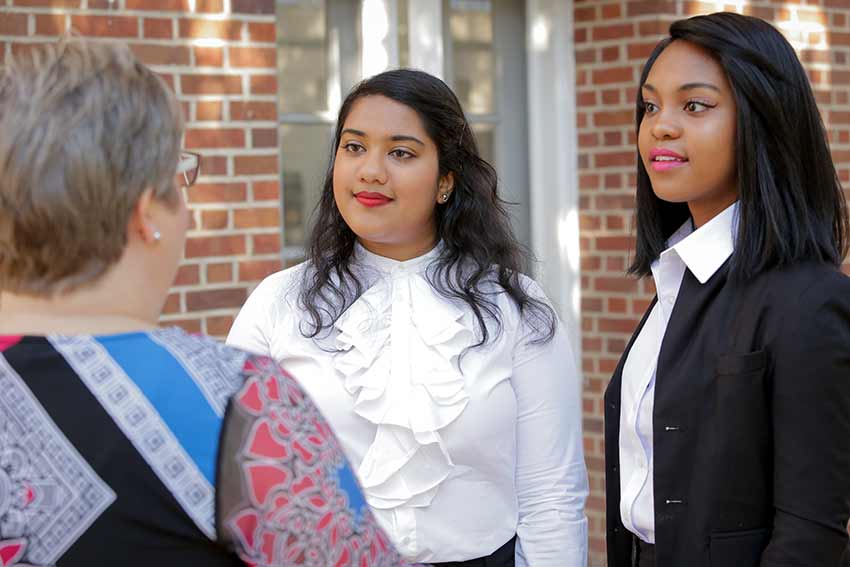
<point x="401" y="154"/>
<point x="352" y="147"/>
<point x="696" y="106"/>
<point x="649" y="107"/>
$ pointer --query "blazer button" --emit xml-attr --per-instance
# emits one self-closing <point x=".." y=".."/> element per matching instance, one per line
<point x="673" y="501"/>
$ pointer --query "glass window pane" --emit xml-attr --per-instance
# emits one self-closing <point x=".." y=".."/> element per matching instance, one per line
<point x="305" y="149"/>
<point x="473" y="60"/>
<point x="302" y="56"/>
<point x="484" y="135"/>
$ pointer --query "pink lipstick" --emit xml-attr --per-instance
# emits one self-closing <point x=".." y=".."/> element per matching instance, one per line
<point x="369" y="199"/>
<point x="665" y="160"/>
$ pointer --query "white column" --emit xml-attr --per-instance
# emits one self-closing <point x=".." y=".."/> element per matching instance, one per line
<point x="553" y="155"/>
<point x="425" y="33"/>
<point x="379" y="34"/>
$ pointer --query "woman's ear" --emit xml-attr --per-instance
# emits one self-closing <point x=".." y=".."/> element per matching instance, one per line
<point x="141" y="223"/>
<point x="445" y="187"/>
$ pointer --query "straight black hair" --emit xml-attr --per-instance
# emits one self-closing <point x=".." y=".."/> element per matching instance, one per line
<point x="478" y="245"/>
<point x="791" y="204"/>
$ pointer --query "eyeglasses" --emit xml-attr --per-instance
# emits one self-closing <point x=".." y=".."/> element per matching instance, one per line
<point x="189" y="165"/>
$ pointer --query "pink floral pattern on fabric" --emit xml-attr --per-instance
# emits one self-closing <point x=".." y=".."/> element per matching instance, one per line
<point x="302" y="503"/>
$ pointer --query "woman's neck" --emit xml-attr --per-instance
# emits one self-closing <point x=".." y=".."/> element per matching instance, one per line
<point x="399" y="252"/>
<point x="74" y="314"/>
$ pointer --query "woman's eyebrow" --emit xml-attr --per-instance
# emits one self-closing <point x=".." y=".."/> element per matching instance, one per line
<point x="395" y="138"/>
<point x="685" y="87"/>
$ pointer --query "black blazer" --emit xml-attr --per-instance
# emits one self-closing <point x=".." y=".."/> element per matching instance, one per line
<point x="751" y="424"/>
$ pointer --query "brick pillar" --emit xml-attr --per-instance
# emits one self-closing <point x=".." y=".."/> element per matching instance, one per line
<point x="613" y="39"/>
<point x="219" y="56"/>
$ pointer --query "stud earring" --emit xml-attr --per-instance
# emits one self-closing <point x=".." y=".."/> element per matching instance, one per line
<point x="157" y="236"/>
<point x="444" y="198"/>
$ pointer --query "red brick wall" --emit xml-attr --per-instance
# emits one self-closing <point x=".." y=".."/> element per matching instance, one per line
<point x="613" y="38"/>
<point x="219" y="56"/>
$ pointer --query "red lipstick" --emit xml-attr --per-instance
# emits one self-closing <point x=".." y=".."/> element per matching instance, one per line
<point x="369" y="199"/>
<point x="664" y="160"/>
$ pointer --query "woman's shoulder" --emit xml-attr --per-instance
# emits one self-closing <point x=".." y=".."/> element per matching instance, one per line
<point x="806" y="285"/>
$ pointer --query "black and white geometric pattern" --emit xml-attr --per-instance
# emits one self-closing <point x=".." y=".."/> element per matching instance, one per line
<point x="143" y="426"/>
<point x="215" y="368"/>
<point x="49" y="495"/>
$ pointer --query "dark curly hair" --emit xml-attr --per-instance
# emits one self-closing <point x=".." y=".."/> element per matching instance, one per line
<point x="478" y="245"/>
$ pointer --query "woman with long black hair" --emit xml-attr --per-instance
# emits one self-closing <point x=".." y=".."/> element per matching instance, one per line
<point x="441" y="366"/>
<point x="727" y="427"/>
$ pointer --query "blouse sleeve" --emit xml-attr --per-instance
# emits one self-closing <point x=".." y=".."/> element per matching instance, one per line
<point x="254" y="325"/>
<point x="285" y="493"/>
<point x="551" y="477"/>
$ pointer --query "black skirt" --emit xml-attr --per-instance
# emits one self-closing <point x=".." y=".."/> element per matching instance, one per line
<point x="502" y="557"/>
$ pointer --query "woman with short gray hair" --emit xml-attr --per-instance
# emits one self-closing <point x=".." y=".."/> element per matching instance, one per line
<point x="121" y="443"/>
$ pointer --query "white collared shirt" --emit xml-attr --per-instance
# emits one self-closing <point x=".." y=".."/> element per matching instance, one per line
<point x="455" y="454"/>
<point x="703" y="252"/>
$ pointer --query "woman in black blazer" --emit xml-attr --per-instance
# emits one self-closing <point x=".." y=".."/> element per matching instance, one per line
<point x="728" y="418"/>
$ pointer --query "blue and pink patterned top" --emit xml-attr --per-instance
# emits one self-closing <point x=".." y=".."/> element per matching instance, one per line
<point x="163" y="448"/>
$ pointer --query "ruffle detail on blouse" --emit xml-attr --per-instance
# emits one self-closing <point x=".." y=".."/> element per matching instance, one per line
<point x="398" y="347"/>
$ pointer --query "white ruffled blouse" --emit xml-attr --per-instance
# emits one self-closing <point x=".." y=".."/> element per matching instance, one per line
<point x="455" y="454"/>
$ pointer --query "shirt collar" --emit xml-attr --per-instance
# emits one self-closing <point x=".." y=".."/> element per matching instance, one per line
<point x="389" y="266"/>
<point x="705" y="249"/>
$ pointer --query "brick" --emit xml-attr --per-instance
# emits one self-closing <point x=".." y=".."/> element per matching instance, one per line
<point x="161" y="54"/>
<point x="255" y="270"/>
<point x="219" y="273"/>
<point x="615" y="159"/>
<point x="215" y="299"/>
<point x="210" y="29"/>
<point x="265" y="243"/>
<point x="621" y="284"/>
<point x="106" y="26"/>
<point x="47" y="24"/>
<point x="262" y="33"/>
<point x="219" y="326"/>
<point x="21" y="49"/>
<point x="612" y="139"/>
<point x="617" y="31"/>
<point x="253" y="111"/>
<point x="158" y="5"/>
<point x="585" y="14"/>
<point x="47" y="3"/>
<point x="210" y="84"/>
<point x="611" y="11"/>
<point x="209" y="110"/>
<point x="264" y="138"/>
<point x="611" y="53"/>
<point x="614" y="243"/>
<point x="266" y="217"/>
<point x="172" y="304"/>
<point x="188" y="275"/>
<point x="611" y="325"/>
<point x="157" y="28"/>
<point x="655" y="27"/>
<point x="207" y="246"/>
<point x="209" y="56"/>
<point x="649" y="7"/>
<point x="266" y="190"/>
<point x="217" y="192"/>
<point x="16" y="24"/>
<point x="214" y="220"/>
<point x="263" y="84"/>
<point x="214" y="165"/>
<point x="215" y="138"/>
<point x="614" y="118"/>
<point x="250" y="165"/>
<point x="640" y="51"/>
<point x="265" y="57"/>
<point x="613" y="75"/>
<point x="252" y="6"/>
